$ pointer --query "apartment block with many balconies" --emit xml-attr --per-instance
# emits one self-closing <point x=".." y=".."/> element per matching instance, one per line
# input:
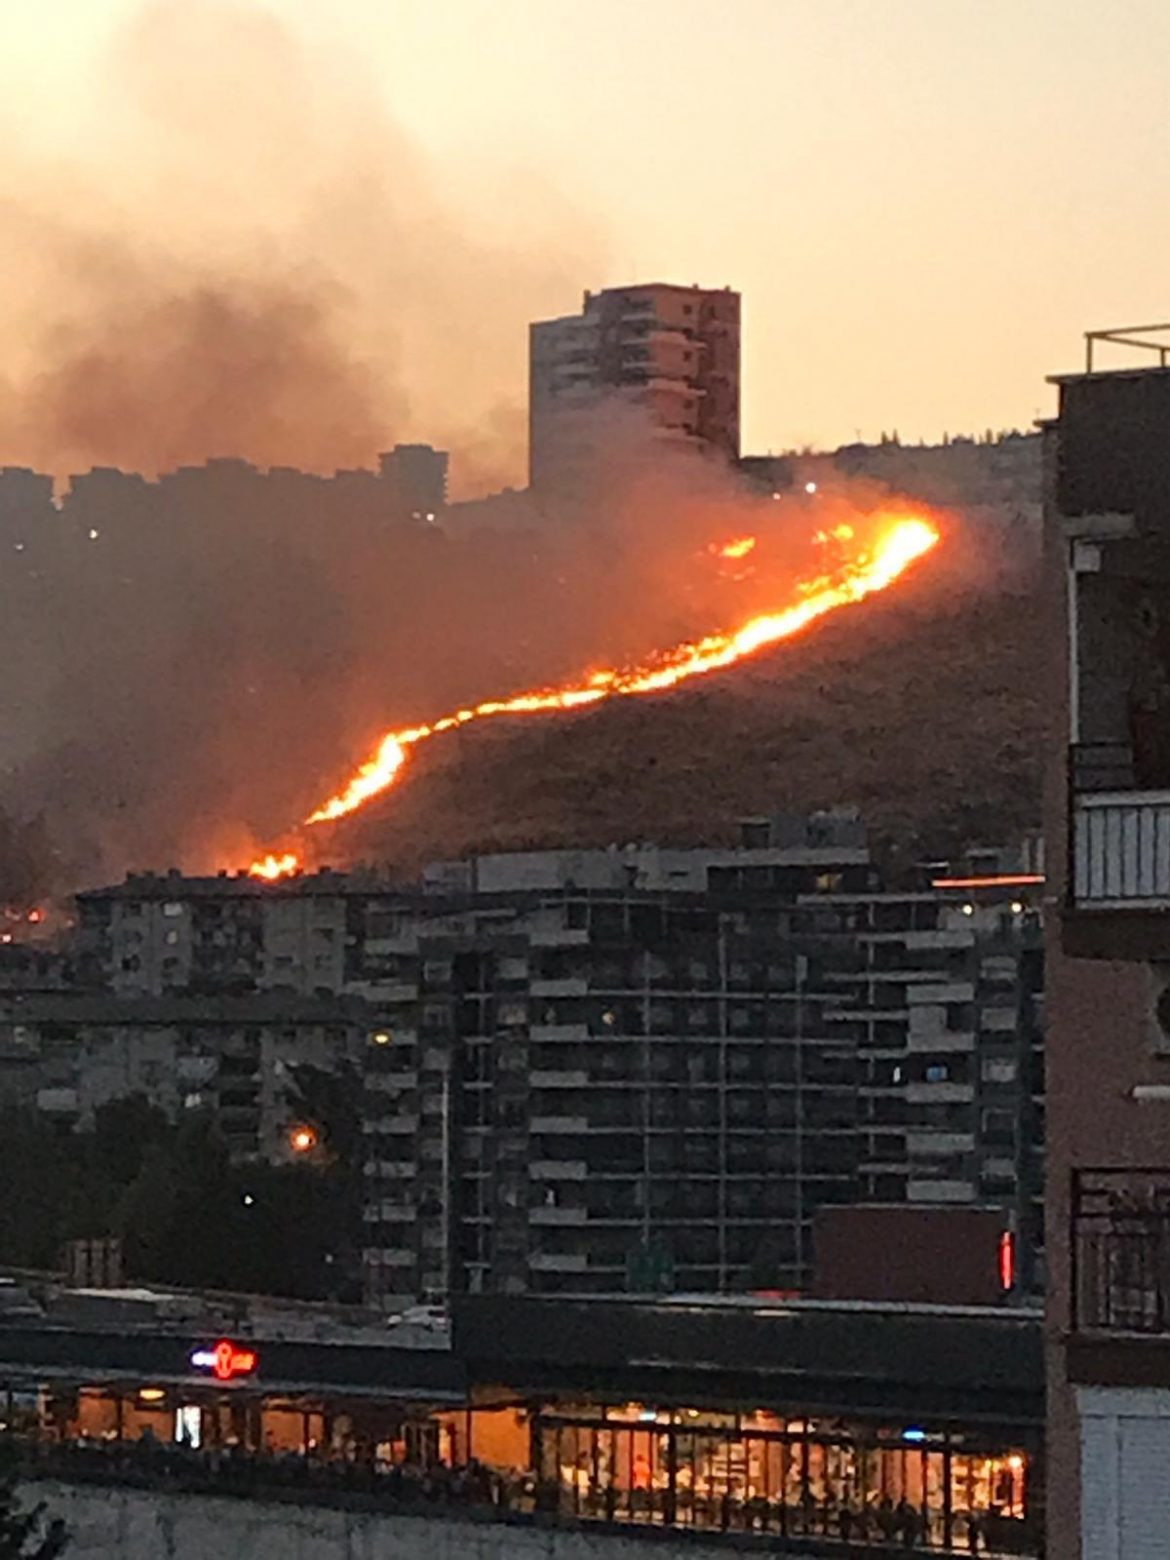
<point x="649" y="1069"/>
<point x="655" y="362"/>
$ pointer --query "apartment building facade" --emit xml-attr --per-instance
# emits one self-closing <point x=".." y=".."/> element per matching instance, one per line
<point x="234" y="1058"/>
<point x="950" y="1039"/>
<point x="657" y="1080"/>
<point x="666" y="355"/>
<point x="600" y="1089"/>
<point x="206" y="993"/>
<point x="1108" y="531"/>
<point x="591" y="1071"/>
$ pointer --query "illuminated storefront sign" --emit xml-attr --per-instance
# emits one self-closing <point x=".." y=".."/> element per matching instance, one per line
<point x="225" y="1360"/>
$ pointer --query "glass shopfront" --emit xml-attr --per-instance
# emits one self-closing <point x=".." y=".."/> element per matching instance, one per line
<point x="844" y="1481"/>
<point x="809" y="1477"/>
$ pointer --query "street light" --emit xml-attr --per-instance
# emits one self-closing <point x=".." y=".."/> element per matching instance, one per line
<point x="303" y="1138"/>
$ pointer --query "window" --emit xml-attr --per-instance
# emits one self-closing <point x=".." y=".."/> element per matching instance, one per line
<point x="999" y="1128"/>
<point x="999" y="1069"/>
<point x="172" y="908"/>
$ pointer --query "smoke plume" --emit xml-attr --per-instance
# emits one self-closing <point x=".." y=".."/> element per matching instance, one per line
<point x="250" y="262"/>
<point x="246" y="256"/>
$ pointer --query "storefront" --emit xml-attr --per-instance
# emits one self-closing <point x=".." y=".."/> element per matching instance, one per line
<point x="760" y="1471"/>
<point x="837" y="1426"/>
<point x="243" y="1421"/>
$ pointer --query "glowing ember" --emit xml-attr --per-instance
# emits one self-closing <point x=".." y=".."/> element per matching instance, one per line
<point x="900" y="544"/>
<point x="737" y="549"/>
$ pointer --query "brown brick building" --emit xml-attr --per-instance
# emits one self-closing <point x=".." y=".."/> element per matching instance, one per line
<point x="1108" y="1213"/>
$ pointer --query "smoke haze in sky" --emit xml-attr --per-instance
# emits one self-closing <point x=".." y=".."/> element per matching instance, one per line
<point x="244" y="255"/>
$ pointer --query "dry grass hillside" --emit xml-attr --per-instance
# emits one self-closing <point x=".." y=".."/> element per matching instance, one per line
<point x="923" y="707"/>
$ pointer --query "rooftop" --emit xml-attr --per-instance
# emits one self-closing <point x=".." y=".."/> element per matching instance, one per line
<point x="190" y="1010"/>
<point x="1151" y="340"/>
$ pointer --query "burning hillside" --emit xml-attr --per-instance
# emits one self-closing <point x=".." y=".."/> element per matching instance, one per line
<point x="861" y="559"/>
<point x="924" y="706"/>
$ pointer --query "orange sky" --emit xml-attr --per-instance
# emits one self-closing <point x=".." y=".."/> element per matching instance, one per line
<point x="924" y="202"/>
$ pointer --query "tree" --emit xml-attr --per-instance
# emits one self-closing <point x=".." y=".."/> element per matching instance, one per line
<point x="181" y="1218"/>
<point x="40" y="1176"/>
<point x="124" y="1132"/>
<point x="25" y="1533"/>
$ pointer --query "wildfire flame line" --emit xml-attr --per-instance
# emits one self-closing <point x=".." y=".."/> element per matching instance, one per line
<point x="899" y="546"/>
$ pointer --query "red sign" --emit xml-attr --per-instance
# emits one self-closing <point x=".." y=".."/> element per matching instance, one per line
<point x="1007" y="1260"/>
<point x="225" y="1360"/>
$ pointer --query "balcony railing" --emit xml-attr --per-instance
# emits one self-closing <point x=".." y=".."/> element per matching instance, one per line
<point x="1121" y="849"/>
<point x="1121" y="1251"/>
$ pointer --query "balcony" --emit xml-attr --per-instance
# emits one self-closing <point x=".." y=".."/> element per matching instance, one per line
<point x="560" y="1217"/>
<point x="1119" y="857"/>
<point x="1121" y="850"/>
<point x="1120" y="1272"/>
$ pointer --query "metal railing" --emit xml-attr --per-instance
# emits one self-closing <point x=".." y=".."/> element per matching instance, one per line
<point x="1121" y="1251"/>
<point x="1142" y="338"/>
<point x="1119" y="846"/>
<point x="474" y="1493"/>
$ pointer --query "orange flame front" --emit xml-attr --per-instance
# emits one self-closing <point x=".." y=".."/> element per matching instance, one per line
<point x="901" y="543"/>
<point x="273" y="867"/>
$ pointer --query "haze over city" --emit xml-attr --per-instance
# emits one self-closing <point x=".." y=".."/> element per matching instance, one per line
<point x="913" y="197"/>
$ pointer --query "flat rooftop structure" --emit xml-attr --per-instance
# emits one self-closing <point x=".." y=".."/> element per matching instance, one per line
<point x="966" y="1362"/>
<point x="944" y="1362"/>
<point x="49" y="1331"/>
<point x="174" y="885"/>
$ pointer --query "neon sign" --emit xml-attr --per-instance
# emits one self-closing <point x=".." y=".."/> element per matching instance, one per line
<point x="1007" y="1260"/>
<point x="225" y="1360"/>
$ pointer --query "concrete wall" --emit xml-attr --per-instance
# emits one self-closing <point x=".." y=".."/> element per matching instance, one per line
<point x="144" y="1525"/>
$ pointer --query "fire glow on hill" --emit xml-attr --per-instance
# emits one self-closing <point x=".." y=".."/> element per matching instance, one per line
<point x="899" y="540"/>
